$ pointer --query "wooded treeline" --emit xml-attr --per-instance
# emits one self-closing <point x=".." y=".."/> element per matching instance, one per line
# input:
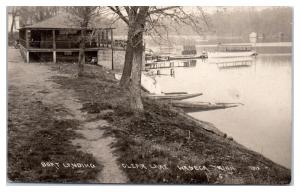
<point x="30" y="15"/>
<point x="242" y="21"/>
<point x="239" y="21"/>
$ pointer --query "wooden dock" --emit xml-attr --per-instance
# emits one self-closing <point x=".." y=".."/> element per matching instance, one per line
<point x="232" y="63"/>
<point x="169" y="64"/>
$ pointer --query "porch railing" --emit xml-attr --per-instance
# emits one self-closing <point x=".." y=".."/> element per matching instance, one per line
<point x="68" y="44"/>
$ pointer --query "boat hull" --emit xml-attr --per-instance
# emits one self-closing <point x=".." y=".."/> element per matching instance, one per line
<point x="202" y="106"/>
<point x="151" y="86"/>
<point x="176" y="96"/>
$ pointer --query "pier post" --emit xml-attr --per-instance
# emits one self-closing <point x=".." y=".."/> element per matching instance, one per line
<point x="54" y="46"/>
<point x="172" y="72"/>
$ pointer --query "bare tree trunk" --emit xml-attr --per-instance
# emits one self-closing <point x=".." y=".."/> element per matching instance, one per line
<point x="81" y="59"/>
<point x="12" y="24"/>
<point x="125" y="80"/>
<point x="137" y="25"/>
<point x="135" y="83"/>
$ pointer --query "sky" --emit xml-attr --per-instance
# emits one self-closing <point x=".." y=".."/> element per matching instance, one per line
<point x="212" y="9"/>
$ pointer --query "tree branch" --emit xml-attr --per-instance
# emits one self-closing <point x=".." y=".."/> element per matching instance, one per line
<point x="162" y="9"/>
<point x="118" y="12"/>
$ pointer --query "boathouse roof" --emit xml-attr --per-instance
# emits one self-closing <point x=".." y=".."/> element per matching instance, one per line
<point x="67" y="21"/>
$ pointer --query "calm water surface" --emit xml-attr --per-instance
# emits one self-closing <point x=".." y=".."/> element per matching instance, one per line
<point x="263" y="123"/>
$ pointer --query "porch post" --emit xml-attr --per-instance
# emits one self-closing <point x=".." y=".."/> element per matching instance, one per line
<point x="106" y="37"/>
<point x="27" y="38"/>
<point x="27" y="56"/>
<point x="54" y="46"/>
<point x="112" y="48"/>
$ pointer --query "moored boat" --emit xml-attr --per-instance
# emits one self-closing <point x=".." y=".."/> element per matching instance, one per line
<point x="232" y="50"/>
<point x="174" y="96"/>
<point x="202" y="106"/>
<point x="151" y="86"/>
<point x="231" y="54"/>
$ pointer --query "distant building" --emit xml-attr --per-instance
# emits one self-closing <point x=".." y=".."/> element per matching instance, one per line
<point x="253" y="37"/>
<point x="261" y="36"/>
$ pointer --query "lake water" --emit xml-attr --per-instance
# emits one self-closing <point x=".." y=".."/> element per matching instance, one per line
<point x="262" y="84"/>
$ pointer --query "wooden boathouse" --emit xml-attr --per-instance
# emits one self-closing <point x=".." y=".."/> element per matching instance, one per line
<point x="57" y="39"/>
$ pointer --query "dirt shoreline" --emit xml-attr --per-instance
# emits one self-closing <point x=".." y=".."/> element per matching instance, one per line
<point x="167" y="145"/>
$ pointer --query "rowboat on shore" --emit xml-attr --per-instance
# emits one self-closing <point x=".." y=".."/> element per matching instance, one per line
<point x="153" y="90"/>
<point x="174" y="96"/>
<point x="202" y="106"/>
<point x="151" y="86"/>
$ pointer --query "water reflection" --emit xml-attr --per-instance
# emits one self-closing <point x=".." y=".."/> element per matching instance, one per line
<point x="264" y="87"/>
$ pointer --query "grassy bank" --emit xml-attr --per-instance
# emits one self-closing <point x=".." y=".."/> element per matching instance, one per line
<point x="39" y="147"/>
<point x="163" y="146"/>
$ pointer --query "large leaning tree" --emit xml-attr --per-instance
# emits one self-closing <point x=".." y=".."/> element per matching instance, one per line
<point x="136" y="21"/>
<point x="141" y="19"/>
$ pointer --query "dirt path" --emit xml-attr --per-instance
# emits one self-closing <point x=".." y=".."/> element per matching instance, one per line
<point x="34" y="78"/>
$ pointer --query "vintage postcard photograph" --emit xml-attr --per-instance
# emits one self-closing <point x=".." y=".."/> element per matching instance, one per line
<point x="149" y="95"/>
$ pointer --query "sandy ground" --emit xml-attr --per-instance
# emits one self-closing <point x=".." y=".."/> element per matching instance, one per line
<point x="35" y="79"/>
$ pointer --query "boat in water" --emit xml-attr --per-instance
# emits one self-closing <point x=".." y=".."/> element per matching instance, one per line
<point x="231" y="50"/>
<point x="231" y="54"/>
